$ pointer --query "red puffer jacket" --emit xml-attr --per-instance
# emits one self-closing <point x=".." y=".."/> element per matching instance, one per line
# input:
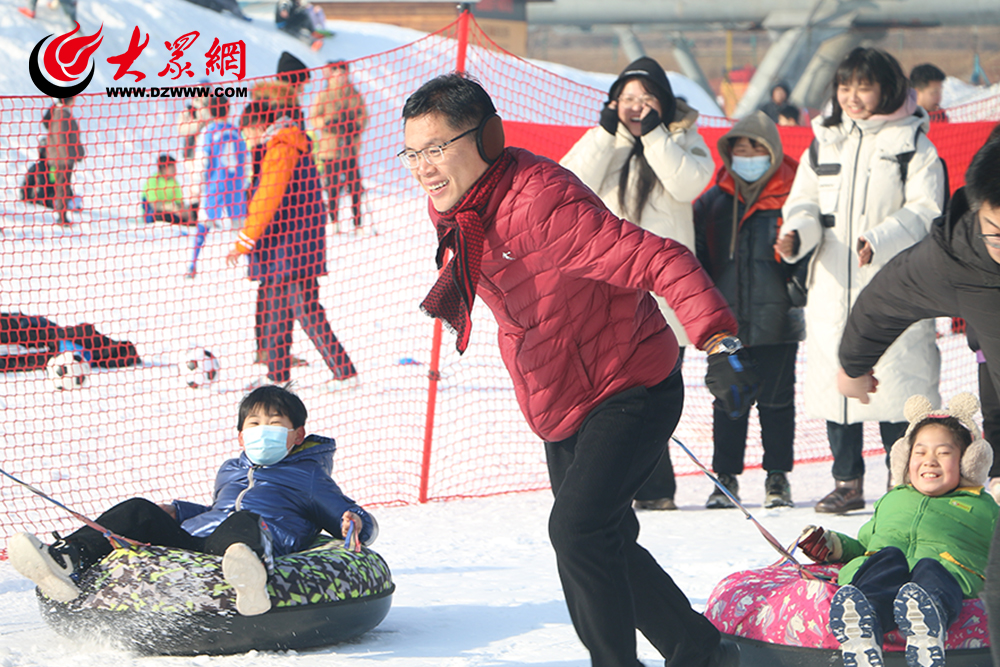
<point x="569" y="283"/>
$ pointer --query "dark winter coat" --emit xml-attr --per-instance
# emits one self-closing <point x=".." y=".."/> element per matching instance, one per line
<point x="295" y="496"/>
<point x="569" y="283"/>
<point x="948" y="274"/>
<point x="284" y="233"/>
<point x="755" y="282"/>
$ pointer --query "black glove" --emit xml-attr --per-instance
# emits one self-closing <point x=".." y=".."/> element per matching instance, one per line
<point x="609" y="119"/>
<point x="650" y="121"/>
<point x="732" y="380"/>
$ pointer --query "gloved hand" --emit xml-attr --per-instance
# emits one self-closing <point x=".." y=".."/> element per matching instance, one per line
<point x="609" y="119"/>
<point x="650" y="121"/>
<point x="733" y="381"/>
<point x="821" y="546"/>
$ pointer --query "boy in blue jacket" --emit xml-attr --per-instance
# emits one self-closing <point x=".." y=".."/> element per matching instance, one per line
<point x="271" y="501"/>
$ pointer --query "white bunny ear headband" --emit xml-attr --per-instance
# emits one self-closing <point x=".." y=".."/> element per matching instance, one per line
<point x="978" y="457"/>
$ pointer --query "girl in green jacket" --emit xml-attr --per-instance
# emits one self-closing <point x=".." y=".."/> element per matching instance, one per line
<point x="924" y="549"/>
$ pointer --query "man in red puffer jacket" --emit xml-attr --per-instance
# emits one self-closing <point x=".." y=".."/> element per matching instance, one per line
<point x="593" y="362"/>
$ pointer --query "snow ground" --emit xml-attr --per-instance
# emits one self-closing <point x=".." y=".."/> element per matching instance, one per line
<point x="477" y="584"/>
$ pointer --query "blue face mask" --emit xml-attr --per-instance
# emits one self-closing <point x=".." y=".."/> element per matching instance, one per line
<point x="751" y="168"/>
<point x="265" y="445"/>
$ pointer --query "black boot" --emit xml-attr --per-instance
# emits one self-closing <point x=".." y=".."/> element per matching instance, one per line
<point x="849" y="495"/>
<point x="718" y="499"/>
<point x="777" y="490"/>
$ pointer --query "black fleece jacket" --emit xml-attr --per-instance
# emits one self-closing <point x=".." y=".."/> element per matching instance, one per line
<point x="948" y="274"/>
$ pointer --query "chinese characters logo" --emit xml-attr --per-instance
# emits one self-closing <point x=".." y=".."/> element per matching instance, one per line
<point x="63" y="66"/>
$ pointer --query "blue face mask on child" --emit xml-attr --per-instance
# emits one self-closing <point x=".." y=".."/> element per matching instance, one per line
<point x="265" y="445"/>
<point x="751" y="168"/>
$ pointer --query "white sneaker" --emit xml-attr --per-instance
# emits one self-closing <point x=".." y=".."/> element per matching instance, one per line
<point x="246" y="573"/>
<point x="34" y="560"/>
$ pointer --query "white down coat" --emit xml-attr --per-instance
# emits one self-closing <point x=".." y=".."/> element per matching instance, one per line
<point x="682" y="163"/>
<point x="865" y="197"/>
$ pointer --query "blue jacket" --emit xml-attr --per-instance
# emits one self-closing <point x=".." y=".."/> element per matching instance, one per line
<point x="225" y="155"/>
<point x="296" y="497"/>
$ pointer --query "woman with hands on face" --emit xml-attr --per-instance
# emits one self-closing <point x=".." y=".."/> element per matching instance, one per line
<point x="647" y="163"/>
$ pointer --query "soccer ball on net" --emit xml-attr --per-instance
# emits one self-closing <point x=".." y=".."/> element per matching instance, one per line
<point x="199" y="368"/>
<point x="67" y="370"/>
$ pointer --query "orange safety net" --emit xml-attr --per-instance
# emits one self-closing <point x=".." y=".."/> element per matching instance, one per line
<point x="117" y="271"/>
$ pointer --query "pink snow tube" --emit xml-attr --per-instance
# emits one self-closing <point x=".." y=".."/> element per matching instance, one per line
<point x="776" y="605"/>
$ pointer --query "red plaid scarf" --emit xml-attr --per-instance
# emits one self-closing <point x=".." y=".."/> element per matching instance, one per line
<point x="460" y="229"/>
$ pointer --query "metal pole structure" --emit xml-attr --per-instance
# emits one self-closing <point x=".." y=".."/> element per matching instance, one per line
<point x="434" y="374"/>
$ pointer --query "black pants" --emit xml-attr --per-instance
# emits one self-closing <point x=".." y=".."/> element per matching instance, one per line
<point x="662" y="483"/>
<point x="281" y="304"/>
<point x="991" y="415"/>
<point x="344" y="174"/>
<point x="847" y="442"/>
<point x="612" y="585"/>
<point x="775" y="408"/>
<point x="882" y="575"/>
<point x="141" y="520"/>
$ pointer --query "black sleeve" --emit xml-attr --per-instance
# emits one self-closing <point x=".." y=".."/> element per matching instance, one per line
<point x="700" y="210"/>
<point x="911" y="287"/>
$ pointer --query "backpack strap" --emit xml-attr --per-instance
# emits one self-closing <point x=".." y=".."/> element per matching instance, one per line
<point x="903" y="159"/>
<point x="828" y="169"/>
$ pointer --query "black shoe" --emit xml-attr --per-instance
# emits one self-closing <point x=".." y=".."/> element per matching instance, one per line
<point x="777" y="490"/>
<point x="657" y="504"/>
<point x="849" y="495"/>
<point x="54" y="568"/>
<point x="718" y="499"/>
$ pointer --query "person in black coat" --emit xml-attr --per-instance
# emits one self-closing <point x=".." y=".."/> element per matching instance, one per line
<point x="736" y="225"/>
<point x="954" y="272"/>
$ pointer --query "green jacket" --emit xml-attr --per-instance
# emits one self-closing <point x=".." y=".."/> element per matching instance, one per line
<point x="163" y="193"/>
<point x="954" y="529"/>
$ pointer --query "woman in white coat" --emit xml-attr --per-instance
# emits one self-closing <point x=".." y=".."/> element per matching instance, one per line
<point x="868" y="188"/>
<point x="648" y="163"/>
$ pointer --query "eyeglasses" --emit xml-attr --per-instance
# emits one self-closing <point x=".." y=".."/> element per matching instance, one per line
<point x="992" y="240"/>
<point x="631" y="100"/>
<point x="432" y="154"/>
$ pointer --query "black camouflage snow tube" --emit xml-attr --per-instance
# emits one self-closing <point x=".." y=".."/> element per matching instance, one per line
<point x="163" y="601"/>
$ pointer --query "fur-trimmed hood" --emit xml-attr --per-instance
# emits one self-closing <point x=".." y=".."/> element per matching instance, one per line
<point x="978" y="456"/>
